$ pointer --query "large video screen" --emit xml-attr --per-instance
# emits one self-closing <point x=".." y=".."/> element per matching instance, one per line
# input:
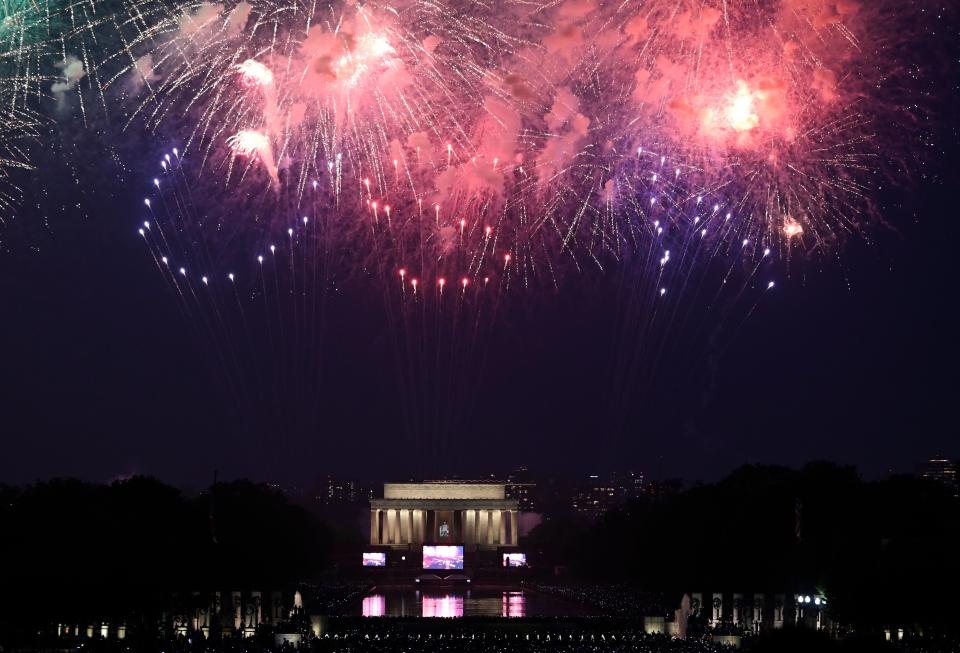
<point x="442" y="557"/>
<point x="374" y="559"/>
<point x="514" y="559"/>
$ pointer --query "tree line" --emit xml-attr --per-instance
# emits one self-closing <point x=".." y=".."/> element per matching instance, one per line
<point x="72" y="550"/>
<point x="882" y="552"/>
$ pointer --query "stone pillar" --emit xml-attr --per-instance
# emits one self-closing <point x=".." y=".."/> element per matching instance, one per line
<point x="501" y="527"/>
<point x="779" y="605"/>
<point x="374" y="524"/>
<point x="759" y="605"/>
<point x="490" y="526"/>
<point x="514" y="528"/>
<point x="469" y="526"/>
<point x="391" y="526"/>
<point x="195" y="617"/>
<point x="404" y="526"/>
<point x="216" y="610"/>
<point x="716" y="616"/>
<point x="249" y="613"/>
<point x="237" y="609"/>
<point x="257" y="608"/>
<point x="696" y="603"/>
<point x="276" y="607"/>
<point x="481" y="527"/>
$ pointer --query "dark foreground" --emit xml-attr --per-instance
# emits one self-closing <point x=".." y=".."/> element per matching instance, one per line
<point x="479" y="635"/>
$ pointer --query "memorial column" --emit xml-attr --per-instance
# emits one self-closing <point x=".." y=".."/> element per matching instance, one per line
<point x="469" y="526"/>
<point x="404" y="527"/>
<point x="391" y="526"/>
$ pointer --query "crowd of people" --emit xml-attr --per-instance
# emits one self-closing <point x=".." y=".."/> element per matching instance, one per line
<point x="390" y="638"/>
<point x="484" y="635"/>
<point x="442" y="636"/>
<point x="611" y="600"/>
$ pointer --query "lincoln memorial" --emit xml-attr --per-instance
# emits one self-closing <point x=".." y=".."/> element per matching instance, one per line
<point x="475" y="515"/>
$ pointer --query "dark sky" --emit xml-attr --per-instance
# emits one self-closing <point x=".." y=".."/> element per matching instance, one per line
<point x="853" y="358"/>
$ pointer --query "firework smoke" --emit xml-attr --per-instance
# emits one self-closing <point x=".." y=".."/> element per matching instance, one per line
<point x="569" y="128"/>
<point x="458" y="153"/>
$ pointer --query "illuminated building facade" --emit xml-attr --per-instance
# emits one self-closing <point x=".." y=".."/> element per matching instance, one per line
<point x="474" y="515"/>
<point x="942" y="470"/>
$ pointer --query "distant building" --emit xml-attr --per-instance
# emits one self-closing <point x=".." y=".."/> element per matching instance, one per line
<point x="332" y="491"/>
<point x="473" y="515"/>
<point x="595" y="497"/>
<point x="602" y="493"/>
<point x="521" y="487"/>
<point x="942" y="470"/>
<point x="629" y="485"/>
<point x="658" y="490"/>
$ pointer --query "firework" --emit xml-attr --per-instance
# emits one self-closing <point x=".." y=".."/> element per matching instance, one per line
<point x="17" y="128"/>
<point x="460" y="152"/>
<point x="257" y="291"/>
<point x="59" y="60"/>
<point x="535" y="119"/>
<point x="257" y="297"/>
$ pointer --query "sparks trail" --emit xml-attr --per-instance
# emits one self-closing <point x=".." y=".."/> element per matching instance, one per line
<point x="257" y="297"/>
<point x="59" y="61"/>
<point x="516" y="118"/>
<point x="466" y="160"/>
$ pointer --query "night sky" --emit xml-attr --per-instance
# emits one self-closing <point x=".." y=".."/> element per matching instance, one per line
<point x="852" y="358"/>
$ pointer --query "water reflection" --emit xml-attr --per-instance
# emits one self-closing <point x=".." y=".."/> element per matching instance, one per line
<point x="514" y="604"/>
<point x="442" y="606"/>
<point x="374" y="605"/>
<point x="445" y="604"/>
